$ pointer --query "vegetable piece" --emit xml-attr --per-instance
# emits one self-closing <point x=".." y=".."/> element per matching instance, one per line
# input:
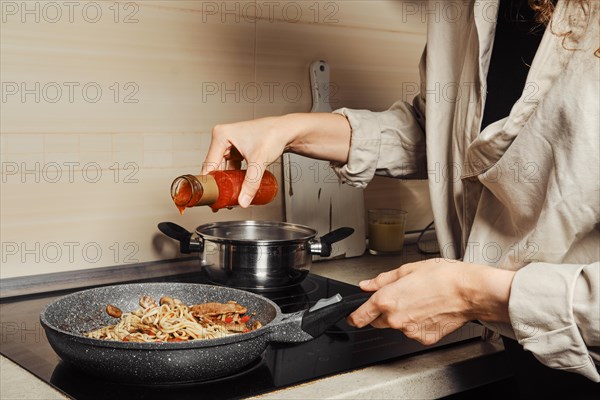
<point x="256" y="325"/>
<point x="113" y="311"/>
<point x="147" y="301"/>
<point x="167" y="300"/>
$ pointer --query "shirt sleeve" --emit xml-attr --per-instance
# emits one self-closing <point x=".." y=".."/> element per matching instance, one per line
<point x="555" y="314"/>
<point x="389" y="143"/>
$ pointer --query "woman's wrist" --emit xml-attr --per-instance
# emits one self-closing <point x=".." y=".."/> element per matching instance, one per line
<point x="486" y="291"/>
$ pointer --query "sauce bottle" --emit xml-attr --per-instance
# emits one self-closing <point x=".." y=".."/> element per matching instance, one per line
<point x="219" y="189"/>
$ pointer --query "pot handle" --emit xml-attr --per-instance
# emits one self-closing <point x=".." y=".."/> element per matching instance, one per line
<point x="174" y="231"/>
<point x="323" y="247"/>
<point x="319" y="318"/>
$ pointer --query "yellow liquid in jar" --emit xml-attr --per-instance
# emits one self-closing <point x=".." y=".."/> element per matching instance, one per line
<point x="386" y="237"/>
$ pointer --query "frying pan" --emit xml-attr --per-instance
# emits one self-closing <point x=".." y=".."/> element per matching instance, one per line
<point x="67" y="319"/>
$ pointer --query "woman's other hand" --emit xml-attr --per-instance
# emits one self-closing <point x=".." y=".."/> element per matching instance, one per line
<point x="429" y="299"/>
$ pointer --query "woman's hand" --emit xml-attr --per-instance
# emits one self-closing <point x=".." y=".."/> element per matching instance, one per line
<point x="429" y="299"/>
<point x="260" y="142"/>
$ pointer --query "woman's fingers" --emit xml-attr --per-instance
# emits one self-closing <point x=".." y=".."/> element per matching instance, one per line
<point x="381" y="302"/>
<point x="364" y="315"/>
<point x="254" y="174"/>
<point x="385" y="278"/>
<point x="216" y="155"/>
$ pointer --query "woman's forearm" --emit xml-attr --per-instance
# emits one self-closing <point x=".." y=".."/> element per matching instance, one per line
<point x="323" y="136"/>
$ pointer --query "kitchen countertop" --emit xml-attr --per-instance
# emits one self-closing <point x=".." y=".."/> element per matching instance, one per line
<point x="434" y="374"/>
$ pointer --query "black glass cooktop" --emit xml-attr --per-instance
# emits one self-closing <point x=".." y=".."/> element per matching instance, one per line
<point x="340" y="349"/>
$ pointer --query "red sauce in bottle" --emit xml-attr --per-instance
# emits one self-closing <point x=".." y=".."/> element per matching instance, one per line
<point x="220" y="189"/>
<point x="182" y="195"/>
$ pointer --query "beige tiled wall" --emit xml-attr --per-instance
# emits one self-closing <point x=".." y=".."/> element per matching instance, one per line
<point x="106" y="102"/>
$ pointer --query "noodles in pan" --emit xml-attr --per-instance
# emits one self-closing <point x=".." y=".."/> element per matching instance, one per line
<point x="173" y="321"/>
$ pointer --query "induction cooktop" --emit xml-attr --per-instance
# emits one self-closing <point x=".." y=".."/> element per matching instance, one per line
<point x="342" y="348"/>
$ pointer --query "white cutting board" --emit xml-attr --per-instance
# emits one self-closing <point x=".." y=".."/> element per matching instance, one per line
<point x="314" y="196"/>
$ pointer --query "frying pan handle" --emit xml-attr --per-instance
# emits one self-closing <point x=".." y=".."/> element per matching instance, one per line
<point x="186" y="244"/>
<point x="316" y="322"/>
<point x="323" y="248"/>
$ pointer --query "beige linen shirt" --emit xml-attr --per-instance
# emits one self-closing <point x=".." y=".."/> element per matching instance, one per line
<point x="524" y="193"/>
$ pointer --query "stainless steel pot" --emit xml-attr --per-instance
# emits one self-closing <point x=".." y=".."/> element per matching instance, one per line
<point x="258" y="255"/>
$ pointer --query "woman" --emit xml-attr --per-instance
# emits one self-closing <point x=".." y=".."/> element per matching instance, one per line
<point x="506" y="129"/>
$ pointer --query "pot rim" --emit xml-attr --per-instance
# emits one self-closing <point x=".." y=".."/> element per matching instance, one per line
<point x="303" y="233"/>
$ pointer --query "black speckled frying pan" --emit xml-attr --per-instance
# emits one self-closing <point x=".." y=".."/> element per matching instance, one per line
<point x="66" y="319"/>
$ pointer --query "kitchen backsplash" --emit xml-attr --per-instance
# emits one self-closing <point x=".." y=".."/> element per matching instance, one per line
<point x="105" y="102"/>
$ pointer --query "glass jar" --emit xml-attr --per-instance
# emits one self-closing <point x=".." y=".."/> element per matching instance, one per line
<point x="219" y="189"/>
